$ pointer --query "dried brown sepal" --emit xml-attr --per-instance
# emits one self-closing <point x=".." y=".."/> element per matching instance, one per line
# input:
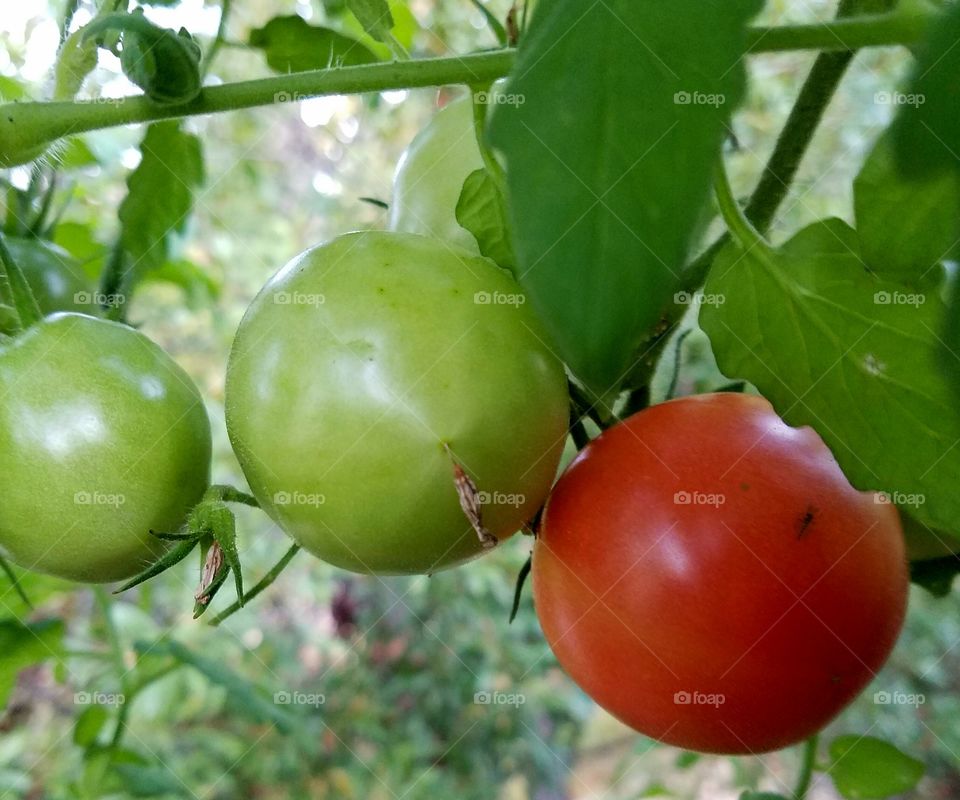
<point x="513" y="26"/>
<point x="470" y="501"/>
<point x="211" y="567"/>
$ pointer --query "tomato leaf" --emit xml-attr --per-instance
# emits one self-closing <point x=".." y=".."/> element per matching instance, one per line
<point x="162" y="62"/>
<point x="762" y="796"/>
<point x="611" y="121"/>
<point x="291" y="44"/>
<point x="855" y="357"/>
<point x="160" y="193"/>
<point x="481" y="211"/>
<point x="89" y="724"/>
<point x="926" y="132"/>
<point x="374" y="16"/>
<point x="24" y="644"/>
<point x="906" y="227"/>
<point x="864" y="767"/>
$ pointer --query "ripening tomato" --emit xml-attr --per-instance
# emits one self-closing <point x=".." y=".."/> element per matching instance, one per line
<point x="430" y="176"/>
<point x="103" y="438"/>
<point x="363" y="371"/>
<point x="707" y="574"/>
<point x="55" y="278"/>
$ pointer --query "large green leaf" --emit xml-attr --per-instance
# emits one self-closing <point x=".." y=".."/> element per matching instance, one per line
<point x="611" y="120"/>
<point x="906" y="226"/>
<point x="160" y="193"/>
<point x="864" y="768"/>
<point x="927" y="128"/>
<point x="23" y="644"/>
<point x="833" y="346"/>
<point x="291" y="44"/>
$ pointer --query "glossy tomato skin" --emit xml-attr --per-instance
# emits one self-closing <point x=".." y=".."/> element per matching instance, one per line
<point x="430" y="176"/>
<point x="707" y="574"/>
<point x="55" y="278"/>
<point x="103" y="438"/>
<point x="355" y="366"/>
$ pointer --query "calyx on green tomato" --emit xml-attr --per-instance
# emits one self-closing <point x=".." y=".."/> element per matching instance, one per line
<point x="707" y="574"/>
<point x="103" y="438"/>
<point x="431" y="173"/>
<point x="56" y="279"/>
<point x="356" y="368"/>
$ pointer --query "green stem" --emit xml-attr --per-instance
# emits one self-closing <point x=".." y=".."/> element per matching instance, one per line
<point x="743" y="231"/>
<point x="11" y="278"/>
<point x="267" y="579"/>
<point x="25" y="127"/>
<point x="805" y="778"/>
<point x="218" y="40"/>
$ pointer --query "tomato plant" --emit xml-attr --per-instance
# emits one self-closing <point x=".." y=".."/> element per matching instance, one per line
<point x="707" y="574"/>
<point x="56" y="279"/>
<point x="103" y="439"/>
<point x="364" y="371"/>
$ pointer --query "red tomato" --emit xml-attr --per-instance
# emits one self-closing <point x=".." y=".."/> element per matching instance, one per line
<point x="707" y="574"/>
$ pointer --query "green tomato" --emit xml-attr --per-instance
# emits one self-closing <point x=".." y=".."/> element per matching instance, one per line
<point x="55" y="278"/>
<point x="430" y="176"/>
<point x="353" y="371"/>
<point x="103" y="438"/>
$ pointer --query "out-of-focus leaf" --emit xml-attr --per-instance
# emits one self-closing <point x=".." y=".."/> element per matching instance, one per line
<point x="906" y="227"/>
<point x="610" y="123"/>
<point x="481" y="211"/>
<point x="75" y="154"/>
<point x="374" y="16"/>
<point x="160" y="193"/>
<point x="864" y="768"/>
<point x="935" y="575"/>
<point x="855" y="357"/>
<point x="80" y="241"/>
<point x="196" y="283"/>
<point x="12" y="89"/>
<point x="926" y="132"/>
<point x="291" y="44"/>
<point x="89" y="724"/>
<point x="162" y="62"/>
<point x="24" y="644"/>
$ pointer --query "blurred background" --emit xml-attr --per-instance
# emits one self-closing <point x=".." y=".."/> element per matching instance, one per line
<point x="333" y="685"/>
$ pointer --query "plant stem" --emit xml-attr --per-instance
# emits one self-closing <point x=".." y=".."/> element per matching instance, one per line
<point x="217" y="42"/>
<point x="267" y="579"/>
<point x="743" y="232"/>
<point x="26" y="125"/>
<point x="805" y="777"/>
